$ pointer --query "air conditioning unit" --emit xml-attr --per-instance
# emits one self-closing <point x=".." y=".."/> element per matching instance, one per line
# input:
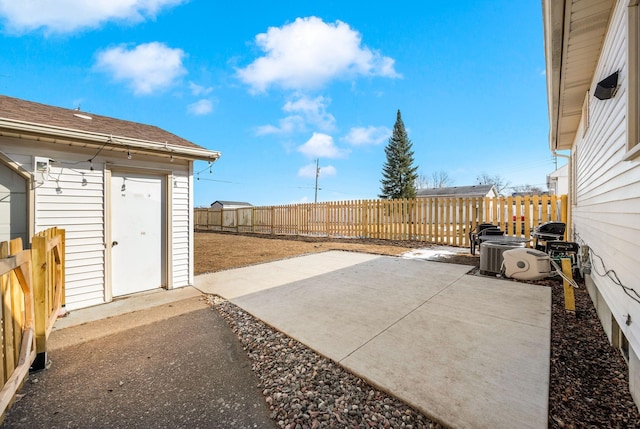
<point x="526" y="264"/>
<point x="491" y="256"/>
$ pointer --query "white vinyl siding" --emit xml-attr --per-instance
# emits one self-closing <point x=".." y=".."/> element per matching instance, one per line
<point x="633" y="72"/>
<point x="63" y="200"/>
<point x="13" y="205"/>
<point x="181" y="229"/>
<point x="607" y="212"/>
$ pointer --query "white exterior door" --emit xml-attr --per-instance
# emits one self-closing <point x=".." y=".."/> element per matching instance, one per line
<point x="138" y="207"/>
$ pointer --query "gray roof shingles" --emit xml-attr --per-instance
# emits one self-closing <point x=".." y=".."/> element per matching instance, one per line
<point x="475" y="190"/>
<point x="42" y="114"/>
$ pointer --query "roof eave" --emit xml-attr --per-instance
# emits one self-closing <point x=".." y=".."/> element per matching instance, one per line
<point x="553" y="17"/>
<point x="53" y="134"/>
<point x="574" y="33"/>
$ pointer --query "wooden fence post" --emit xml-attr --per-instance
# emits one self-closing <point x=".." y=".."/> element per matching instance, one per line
<point x="7" y="328"/>
<point x="17" y="304"/>
<point x="564" y="215"/>
<point x="569" y="298"/>
<point x="39" y="264"/>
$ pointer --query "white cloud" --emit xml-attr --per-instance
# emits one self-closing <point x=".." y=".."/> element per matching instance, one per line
<point x="313" y="110"/>
<point x="200" y="107"/>
<point x="199" y="90"/>
<point x="146" y="68"/>
<point x="287" y="125"/>
<point x="309" y="171"/>
<point x="303" y="111"/>
<point x="321" y="146"/>
<point x="64" y="16"/>
<point x="359" y="136"/>
<point x="308" y="53"/>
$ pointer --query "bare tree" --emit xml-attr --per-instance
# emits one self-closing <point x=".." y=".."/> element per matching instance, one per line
<point x="422" y="181"/>
<point x="438" y="179"/>
<point x="441" y="179"/>
<point x="528" y="189"/>
<point x="498" y="181"/>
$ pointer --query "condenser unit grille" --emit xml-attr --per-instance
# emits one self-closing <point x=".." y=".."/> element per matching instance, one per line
<point x="491" y="256"/>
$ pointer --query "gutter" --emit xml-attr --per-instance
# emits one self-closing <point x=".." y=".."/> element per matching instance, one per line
<point x="61" y="135"/>
<point x="554" y="38"/>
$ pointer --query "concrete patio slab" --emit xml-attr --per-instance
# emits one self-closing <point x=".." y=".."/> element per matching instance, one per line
<point x="468" y="351"/>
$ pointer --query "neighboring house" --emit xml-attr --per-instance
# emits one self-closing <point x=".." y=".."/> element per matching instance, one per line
<point x="220" y="205"/>
<point x="558" y="181"/>
<point x="586" y="42"/>
<point x="463" y="192"/>
<point x="123" y="191"/>
<point x="459" y="191"/>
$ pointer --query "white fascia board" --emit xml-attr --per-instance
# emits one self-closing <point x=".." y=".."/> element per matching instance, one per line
<point x="553" y="19"/>
<point x="21" y="129"/>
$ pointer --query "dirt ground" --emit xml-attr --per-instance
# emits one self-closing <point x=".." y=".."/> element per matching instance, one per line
<point x="217" y="251"/>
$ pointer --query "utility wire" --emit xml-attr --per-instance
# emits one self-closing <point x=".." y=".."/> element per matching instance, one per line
<point x="609" y="273"/>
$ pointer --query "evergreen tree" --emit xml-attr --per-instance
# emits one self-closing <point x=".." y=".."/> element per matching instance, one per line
<point x="398" y="173"/>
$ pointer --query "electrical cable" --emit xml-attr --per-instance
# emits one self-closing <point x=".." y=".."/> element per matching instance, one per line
<point x="221" y="181"/>
<point x="563" y="275"/>
<point x="609" y="273"/>
<point x="613" y="276"/>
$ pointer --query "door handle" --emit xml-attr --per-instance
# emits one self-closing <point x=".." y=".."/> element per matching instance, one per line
<point x="114" y="243"/>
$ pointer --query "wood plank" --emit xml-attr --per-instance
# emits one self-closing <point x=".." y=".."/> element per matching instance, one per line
<point x="4" y="252"/>
<point x="15" y="382"/>
<point x="569" y="299"/>
<point x="7" y="322"/>
<point x="39" y="278"/>
<point x="17" y="304"/>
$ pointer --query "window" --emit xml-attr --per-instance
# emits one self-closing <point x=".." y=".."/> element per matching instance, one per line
<point x="633" y="84"/>
<point x="585" y="114"/>
<point x="618" y="339"/>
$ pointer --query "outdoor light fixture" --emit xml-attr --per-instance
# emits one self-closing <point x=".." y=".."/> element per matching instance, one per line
<point x="606" y="88"/>
<point x="128" y="154"/>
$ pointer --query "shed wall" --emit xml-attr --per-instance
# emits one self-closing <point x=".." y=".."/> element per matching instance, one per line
<point x="72" y="196"/>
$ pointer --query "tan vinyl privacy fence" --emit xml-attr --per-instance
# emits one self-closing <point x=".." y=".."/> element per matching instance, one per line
<point x="439" y="220"/>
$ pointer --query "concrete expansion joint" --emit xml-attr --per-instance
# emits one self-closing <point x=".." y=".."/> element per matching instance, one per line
<point x="407" y="314"/>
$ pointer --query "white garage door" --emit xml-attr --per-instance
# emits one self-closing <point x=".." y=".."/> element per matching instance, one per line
<point x="137" y="233"/>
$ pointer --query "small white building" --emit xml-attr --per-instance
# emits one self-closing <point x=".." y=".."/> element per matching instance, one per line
<point x="123" y="191"/>
<point x="592" y="51"/>
<point x="226" y="205"/>
<point x="558" y="181"/>
<point x="459" y="191"/>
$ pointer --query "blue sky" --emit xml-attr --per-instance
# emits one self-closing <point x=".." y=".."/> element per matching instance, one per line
<point x="275" y="85"/>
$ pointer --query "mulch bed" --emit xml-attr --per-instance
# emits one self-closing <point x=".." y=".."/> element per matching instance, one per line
<point x="588" y="386"/>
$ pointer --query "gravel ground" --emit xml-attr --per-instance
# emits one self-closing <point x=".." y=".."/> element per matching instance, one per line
<point x="588" y="378"/>
<point x="305" y="390"/>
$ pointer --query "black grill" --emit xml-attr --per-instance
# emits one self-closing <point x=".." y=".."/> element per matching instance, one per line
<point x="547" y="232"/>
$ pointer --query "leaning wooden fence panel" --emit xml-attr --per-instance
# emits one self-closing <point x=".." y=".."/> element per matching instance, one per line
<point x="18" y="320"/>
<point x="443" y="220"/>
<point x="32" y="292"/>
